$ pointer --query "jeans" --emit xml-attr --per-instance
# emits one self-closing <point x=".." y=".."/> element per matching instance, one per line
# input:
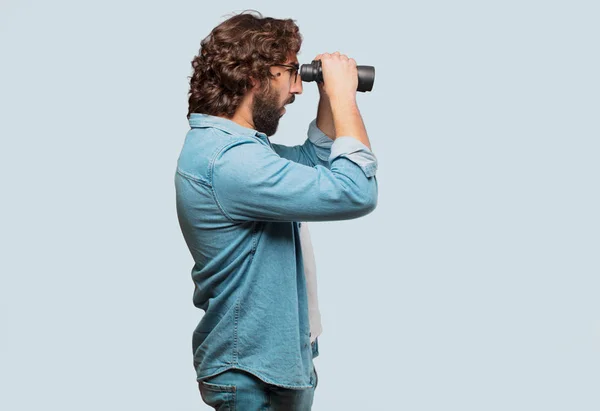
<point x="237" y="390"/>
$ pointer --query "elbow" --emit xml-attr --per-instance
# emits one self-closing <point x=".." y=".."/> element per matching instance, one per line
<point x="356" y="198"/>
<point x="370" y="203"/>
<point x="368" y="199"/>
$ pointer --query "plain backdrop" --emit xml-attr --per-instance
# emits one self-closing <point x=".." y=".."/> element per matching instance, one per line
<point x="472" y="286"/>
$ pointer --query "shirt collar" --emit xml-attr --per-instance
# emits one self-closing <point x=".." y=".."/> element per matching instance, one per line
<point x="199" y="120"/>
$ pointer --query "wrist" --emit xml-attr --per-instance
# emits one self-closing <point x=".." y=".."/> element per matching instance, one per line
<point x="343" y="103"/>
<point x="323" y="95"/>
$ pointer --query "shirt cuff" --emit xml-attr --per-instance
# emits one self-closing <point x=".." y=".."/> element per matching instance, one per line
<point x="356" y="152"/>
<point x="321" y="140"/>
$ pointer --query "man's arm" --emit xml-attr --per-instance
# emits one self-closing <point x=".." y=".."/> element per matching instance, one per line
<point x="340" y="83"/>
<point x="321" y="134"/>
<point x="250" y="182"/>
<point x="325" y="115"/>
<point x="315" y="150"/>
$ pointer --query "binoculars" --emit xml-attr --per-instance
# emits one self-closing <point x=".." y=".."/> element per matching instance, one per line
<point x="312" y="72"/>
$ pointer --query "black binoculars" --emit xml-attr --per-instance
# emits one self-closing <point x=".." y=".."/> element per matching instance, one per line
<point x="312" y="72"/>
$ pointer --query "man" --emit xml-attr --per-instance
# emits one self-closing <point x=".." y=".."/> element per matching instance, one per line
<point x="240" y="199"/>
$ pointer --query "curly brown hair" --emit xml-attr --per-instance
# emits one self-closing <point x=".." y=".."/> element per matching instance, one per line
<point x="242" y="46"/>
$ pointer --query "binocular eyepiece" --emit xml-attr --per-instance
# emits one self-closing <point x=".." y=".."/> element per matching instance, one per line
<point x="312" y="72"/>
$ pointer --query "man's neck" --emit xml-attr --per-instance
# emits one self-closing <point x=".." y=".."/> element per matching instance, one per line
<point x="242" y="120"/>
<point x="243" y="114"/>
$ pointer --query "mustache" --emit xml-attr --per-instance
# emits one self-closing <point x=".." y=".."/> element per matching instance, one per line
<point x="291" y="100"/>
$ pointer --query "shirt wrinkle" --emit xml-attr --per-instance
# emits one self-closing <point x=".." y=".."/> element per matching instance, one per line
<point x="254" y="272"/>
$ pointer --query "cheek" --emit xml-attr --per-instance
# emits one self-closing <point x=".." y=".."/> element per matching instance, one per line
<point x="284" y="95"/>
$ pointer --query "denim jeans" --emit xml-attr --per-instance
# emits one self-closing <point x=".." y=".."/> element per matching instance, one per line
<point x="238" y="390"/>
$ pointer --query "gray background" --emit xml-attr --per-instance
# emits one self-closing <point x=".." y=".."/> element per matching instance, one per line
<point x="472" y="286"/>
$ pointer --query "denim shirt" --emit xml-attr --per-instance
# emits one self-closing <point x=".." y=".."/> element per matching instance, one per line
<point x="239" y="201"/>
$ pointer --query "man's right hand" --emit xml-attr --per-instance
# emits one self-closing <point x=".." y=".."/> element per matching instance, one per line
<point x="340" y="84"/>
<point x="340" y="75"/>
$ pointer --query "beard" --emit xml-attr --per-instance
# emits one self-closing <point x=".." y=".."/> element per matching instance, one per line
<point x="266" y="112"/>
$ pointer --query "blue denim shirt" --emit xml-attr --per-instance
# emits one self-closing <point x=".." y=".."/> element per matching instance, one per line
<point x="240" y="199"/>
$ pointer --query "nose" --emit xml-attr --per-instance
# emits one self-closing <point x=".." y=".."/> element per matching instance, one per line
<point x="297" y="86"/>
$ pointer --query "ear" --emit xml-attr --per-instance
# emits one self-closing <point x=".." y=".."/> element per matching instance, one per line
<point x="254" y="84"/>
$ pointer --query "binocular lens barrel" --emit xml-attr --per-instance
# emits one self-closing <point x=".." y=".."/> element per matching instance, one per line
<point x="312" y="72"/>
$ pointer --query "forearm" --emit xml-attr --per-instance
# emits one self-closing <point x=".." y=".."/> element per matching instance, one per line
<point x="325" y="117"/>
<point x="348" y="121"/>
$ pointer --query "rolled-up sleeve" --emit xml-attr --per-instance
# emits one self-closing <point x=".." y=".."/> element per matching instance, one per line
<point x="252" y="182"/>
<point x="357" y="152"/>
<point x="314" y="151"/>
